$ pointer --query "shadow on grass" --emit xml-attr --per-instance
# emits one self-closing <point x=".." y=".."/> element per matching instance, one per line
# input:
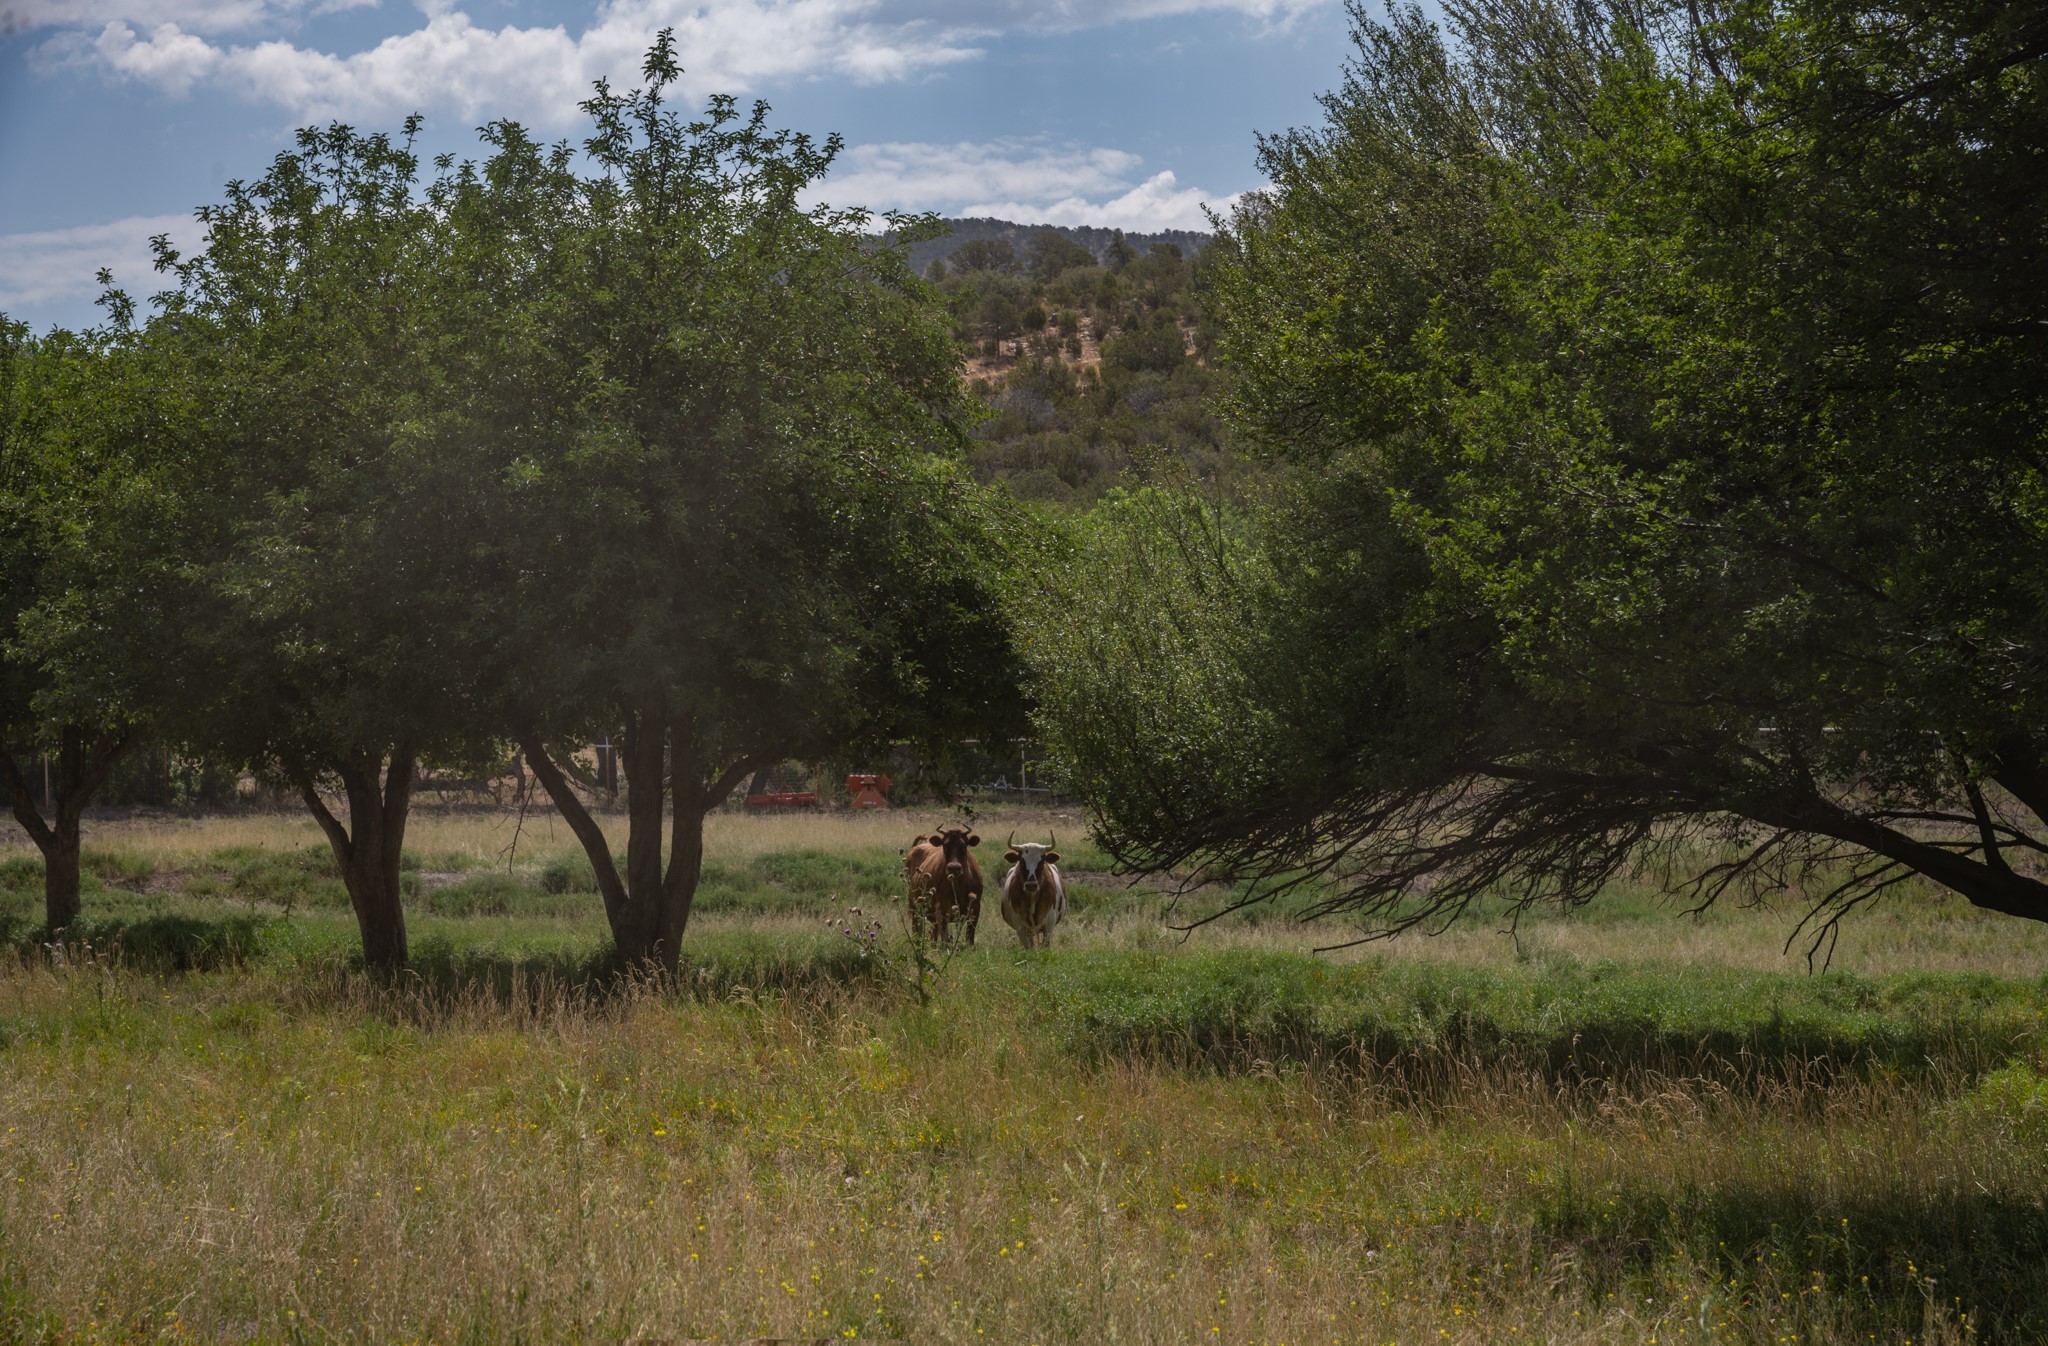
<point x="721" y="969"/>
<point x="1962" y="1259"/>
<point x="160" y="944"/>
<point x="316" y="967"/>
<point x="319" y="964"/>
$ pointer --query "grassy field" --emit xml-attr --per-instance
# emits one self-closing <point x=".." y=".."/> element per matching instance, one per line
<point x="1622" y="1125"/>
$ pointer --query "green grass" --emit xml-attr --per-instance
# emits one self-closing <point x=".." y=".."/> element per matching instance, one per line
<point x="1618" y="1126"/>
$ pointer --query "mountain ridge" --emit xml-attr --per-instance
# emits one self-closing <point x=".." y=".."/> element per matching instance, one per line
<point x="967" y="229"/>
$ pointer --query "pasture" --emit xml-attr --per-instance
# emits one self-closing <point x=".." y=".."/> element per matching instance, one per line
<point x="1622" y="1125"/>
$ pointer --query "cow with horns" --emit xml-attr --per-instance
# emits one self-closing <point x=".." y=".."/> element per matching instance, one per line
<point x="945" y="882"/>
<point x="1034" y="894"/>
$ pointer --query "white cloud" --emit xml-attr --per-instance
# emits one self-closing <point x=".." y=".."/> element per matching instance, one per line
<point x="170" y="58"/>
<point x="534" y="73"/>
<point x="899" y="176"/>
<point x="1021" y="181"/>
<point x="539" y="74"/>
<point x="1156" y="203"/>
<point x="203" y="16"/>
<point x="58" y="266"/>
<point x="994" y="16"/>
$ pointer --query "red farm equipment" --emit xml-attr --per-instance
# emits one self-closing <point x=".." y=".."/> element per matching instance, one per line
<point x="868" y="790"/>
<point x="781" y="788"/>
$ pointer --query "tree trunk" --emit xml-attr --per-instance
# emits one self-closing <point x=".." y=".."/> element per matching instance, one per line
<point x="369" y="849"/>
<point x="61" y="902"/>
<point x="649" y="906"/>
<point x="82" y="766"/>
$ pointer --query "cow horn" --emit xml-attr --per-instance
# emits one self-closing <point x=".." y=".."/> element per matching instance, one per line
<point x="1054" y="844"/>
<point x="1011" y="844"/>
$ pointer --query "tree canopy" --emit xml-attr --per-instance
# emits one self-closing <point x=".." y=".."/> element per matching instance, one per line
<point x="93" y="437"/>
<point x="407" y="468"/>
<point x="732" y="533"/>
<point x="1658" y="398"/>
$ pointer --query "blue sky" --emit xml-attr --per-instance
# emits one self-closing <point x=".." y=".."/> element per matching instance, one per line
<point x="118" y="117"/>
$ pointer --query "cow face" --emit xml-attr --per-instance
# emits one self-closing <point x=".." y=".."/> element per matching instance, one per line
<point x="1031" y="858"/>
<point x="954" y="843"/>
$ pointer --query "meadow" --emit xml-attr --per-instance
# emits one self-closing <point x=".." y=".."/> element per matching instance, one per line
<point x="1617" y="1125"/>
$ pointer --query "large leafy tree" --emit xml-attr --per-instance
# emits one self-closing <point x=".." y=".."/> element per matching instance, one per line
<point x="91" y="442"/>
<point x="1660" y="393"/>
<point x="328" y="526"/>
<point x="731" y="528"/>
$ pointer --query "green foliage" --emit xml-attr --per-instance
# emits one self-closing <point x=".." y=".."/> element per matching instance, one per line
<point x="749" y="413"/>
<point x="92" y="436"/>
<point x="1578" y="1020"/>
<point x="1064" y="426"/>
<point x="726" y="521"/>
<point x="21" y="873"/>
<point x="568" y="874"/>
<point x="482" y="895"/>
<point x="537" y="446"/>
<point x="984" y="254"/>
<point x="327" y="519"/>
<point x="2014" y="1100"/>
<point x="304" y="877"/>
<point x="1659" y="459"/>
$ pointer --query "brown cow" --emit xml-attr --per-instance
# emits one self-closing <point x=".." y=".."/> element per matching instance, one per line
<point x="944" y="881"/>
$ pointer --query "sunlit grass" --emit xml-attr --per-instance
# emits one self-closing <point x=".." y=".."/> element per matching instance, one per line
<point x="1620" y="1125"/>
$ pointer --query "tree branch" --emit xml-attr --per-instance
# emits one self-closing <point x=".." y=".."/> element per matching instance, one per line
<point x="23" y="801"/>
<point x="337" y="835"/>
<point x="595" y="846"/>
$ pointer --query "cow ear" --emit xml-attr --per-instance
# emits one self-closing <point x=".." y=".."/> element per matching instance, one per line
<point x="936" y="840"/>
<point x="1053" y="856"/>
<point x="974" y="841"/>
<point x="1013" y="856"/>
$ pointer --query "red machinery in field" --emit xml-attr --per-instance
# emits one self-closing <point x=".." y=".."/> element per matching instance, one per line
<point x="869" y="790"/>
<point x="780" y="788"/>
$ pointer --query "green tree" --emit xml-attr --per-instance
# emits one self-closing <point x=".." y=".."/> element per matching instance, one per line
<point x="1052" y="253"/>
<point x="328" y="525"/>
<point x="739" y="538"/>
<point x="984" y="254"/>
<point x="1663" y="398"/>
<point x="1157" y="347"/>
<point x="69" y="438"/>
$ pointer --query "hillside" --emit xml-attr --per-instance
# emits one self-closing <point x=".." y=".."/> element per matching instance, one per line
<point x="1100" y="242"/>
<point x="1090" y="349"/>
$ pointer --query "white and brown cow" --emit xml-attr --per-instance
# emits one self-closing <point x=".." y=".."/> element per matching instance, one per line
<point x="1034" y="894"/>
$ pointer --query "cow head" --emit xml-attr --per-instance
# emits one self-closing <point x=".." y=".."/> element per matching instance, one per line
<point x="1031" y="858"/>
<point x="954" y="843"/>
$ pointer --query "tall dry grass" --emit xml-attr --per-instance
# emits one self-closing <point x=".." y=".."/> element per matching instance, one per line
<point x="281" y="1149"/>
<point x="325" y="1159"/>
